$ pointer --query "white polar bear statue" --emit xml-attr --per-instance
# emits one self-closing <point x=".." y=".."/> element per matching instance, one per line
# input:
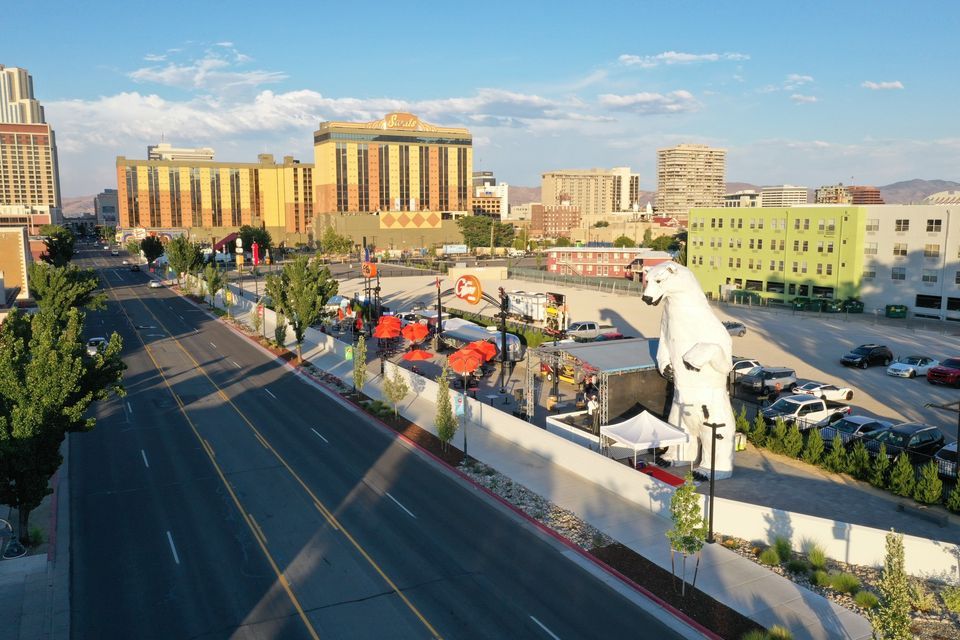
<point x="695" y="345"/>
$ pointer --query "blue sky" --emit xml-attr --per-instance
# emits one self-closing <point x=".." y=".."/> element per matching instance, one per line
<point x="804" y="93"/>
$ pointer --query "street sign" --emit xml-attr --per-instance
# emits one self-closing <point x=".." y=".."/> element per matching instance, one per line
<point x="468" y="288"/>
<point x="239" y="242"/>
<point x="369" y="270"/>
<point x="459" y="408"/>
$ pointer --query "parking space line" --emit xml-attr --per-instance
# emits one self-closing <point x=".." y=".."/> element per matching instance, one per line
<point x="397" y="502"/>
<point x="319" y="436"/>
<point x="144" y="455"/>
<point x="544" y="627"/>
<point x="271" y="394"/>
<point x="173" y="548"/>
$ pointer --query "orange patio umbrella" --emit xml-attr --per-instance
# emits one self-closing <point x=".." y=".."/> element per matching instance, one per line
<point x="417" y="354"/>
<point x="486" y="349"/>
<point x="464" y="361"/>
<point x="415" y="332"/>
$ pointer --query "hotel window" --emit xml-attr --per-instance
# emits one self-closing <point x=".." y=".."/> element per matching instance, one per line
<point x="738" y="263"/>
<point x="255" y="200"/>
<point x="806" y="224"/>
<point x="176" y="213"/>
<point x="196" y="204"/>
<point x="750" y="264"/>
<point x="829" y="269"/>
<point x="730" y="240"/>
<point x="819" y="269"/>
<point x="753" y="223"/>
<point x="216" y="204"/>
<point x="869" y="248"/>
<point x="796" y="267"/>
<point x="751" y="243"/>
<point x="869" y="272"/>
<point x="931" y="251"/>
<point x="901" y="224"/>
<point x="806" y="245"/>
<point x="831" y="225"/>
<point x="363" y="177"/>
<point x="803" y="266"/>
<point x="900" y="249"/>
<point x="425" y="178"/>
<point x="829" y="247"/>
<point x="796" y="224"/>
<point x="759" y="243"/>
<point x="463" y="188"/>
<point x="153" y="195"/>
<point x="405" y="177"/>
<point x="739" y="223"/>
<point x="342" y="186"/>
<point x="235" y="214"/>
<point x="739" y="243"/>
<point x="713" y="223"/>
<point x="780" y="266"/>
<point x="934" y="225"/>
<point x="730" y="263"/>
<point x="820" y="247"/>
<point x="443" y="177"/>
<point x="133" y="197"/>
<point x="759" y="223"/>
<point x="719" y="223"/>
<point x="898" y="273"/>
<point x="773" y="265"/>
<point x="796" y="246"/>
<point x="821" y="226"/>
<point x="873" y="225"/>
<point x="383" y="158"/>
<point x="929" y="276"/>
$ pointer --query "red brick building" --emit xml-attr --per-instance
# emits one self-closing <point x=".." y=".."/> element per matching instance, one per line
<point x="553" y="220"/>
<point x="602" y="262"/>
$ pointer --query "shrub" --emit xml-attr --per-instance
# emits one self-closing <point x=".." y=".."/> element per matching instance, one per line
<point x="866" y="599"/>
<point x="821" y="578"/>
<point x="845" y="582"/>
<point x="36" y="536"/>
<point x="770" y="557"/>
<point x="817" y="557"/>
<point x="797" y="565"/>
<point x="953" y="500"/>
<point x="813" y="450"/>
<point x="779" y="633"/>
<point x="759" y="431"/>
<point x="881" y="465"/>
<point x="756" y="634"/>
<point x="858" y="461"/>
<point x="730" y="543"/>
<point x="778" y="434"/>
<point x="793" y="442"/>
<point x="920" y="598"/>
<point x="951" y="598"/>
<point x="892" y="618"/>
<point x="783" y="547"/>
<point x="743" y="425"/>
<point x="903" y="477"/>
<point x="929" y="487"/>
<point x="836" y="460"/>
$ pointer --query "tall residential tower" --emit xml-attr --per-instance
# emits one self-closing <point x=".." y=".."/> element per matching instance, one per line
<point x="690" y="175"/>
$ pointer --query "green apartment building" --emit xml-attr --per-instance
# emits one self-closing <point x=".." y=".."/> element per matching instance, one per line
<point x="778" y="253"/>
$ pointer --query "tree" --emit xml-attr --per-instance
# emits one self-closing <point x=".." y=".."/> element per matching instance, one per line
<point x="562" y="241"/>
<point x="902" y="476"/>
<point x="688" y="533"/>
<point x="107" y="234"/>
<point x="777" y="435"/>
<point x="395" y="389"/>
<point x="332" y="242"/>
<point x="891" y="619"/>
<point x="836" y="460"/>
<point x="47" y="384"/>
<point x="214" y="280"/>
<point x="858" y="461"/>
<point x="759" y="431"/>
<point x="881" y="464"/>
<point x="624" y="241"/>
<point x="813" y="450"/>
<point x="276" y="291"/>
<point x="184" y="256"/>
<point x="929" y="487"/>
<point x="133" y="247"/>
<point x="953" y="500"/>
<point x="249" y="235"/>
<point x="663" y="243"/>
<point x="59" y="289"/>
<point x="476" y="232"/>
<point x="793" y="441"/>
<point x="359" y="364"/>
<point x="445" y="421"/>
<point x="600" y="224"/>
<point x="152" y="248"/>
<point x="59" y="243"/>
<point x="647" y="238"/>
<point x="307" y="289"/>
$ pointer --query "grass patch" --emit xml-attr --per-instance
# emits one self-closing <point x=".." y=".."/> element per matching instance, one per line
<point x="779" y="633"/>
<point x="817" y="557"/>
<point x="920" y="598"/>
<point x="951" y="598"/>
<point x="845" y="582"/>
<point x="756" y="634"/>
<point x="770" y="557"/>
<point x="796" y="565"/>
<point x="866" y="599"/>
<point x="821" y="578"/>
<point x="782" y="545"/>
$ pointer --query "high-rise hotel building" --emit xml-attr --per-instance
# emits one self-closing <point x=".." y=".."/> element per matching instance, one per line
<point x="215" y="198"/>
<point x="397" y="164"/>
<point x="29" y="175"/>
<point x="596" y="192"/>
<point x="690" y="175"/>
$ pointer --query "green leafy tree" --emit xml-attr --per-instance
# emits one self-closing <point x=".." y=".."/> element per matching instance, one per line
<point x="249" y="235"/>
<point x="476" y="232"/>
<point x="152" y="248"/>
<point x="308" y="287"/>
<point x="59" y="243"/>
<point x="902" y="476"/>
<point x="891" y="619"/>
<point x="777" y="435"/>
<point x="759" y="431"/>
<point x="107" y="234"/>
<point x="858" y="460"/>
<point x="663" y="243"/>
<point x="742" y="424"/>
<point x="793" y="441"/>
<point x="601" y="224"/>
<point x="562" y="241"/>
<point x="813" y="450"/>
<point x="880" y="468"/>
<point x="624" y="241"/>
<point x="929" y="487"/>
<point x="647" y="238"/>
<point x="332" y="242"/>
<point x="395" y="389"/>
<point x="280" y="331"/>
<point x="688" y="533"/>
<point x="953" y="500"/>
<point x="214" y="280"/>
<point x="47" y="385"/>
<point x="836" y="460"/>
<point x="445" y="421"/>
<point x="359" y="364"/>
<point x="184" y="255"/>
<point x="275" y="290"/>
<point x="59" y="289"/>
<point x="133" y="247"/>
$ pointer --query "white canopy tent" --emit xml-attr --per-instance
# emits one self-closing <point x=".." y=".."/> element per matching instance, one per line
<point x="644" y="431"/>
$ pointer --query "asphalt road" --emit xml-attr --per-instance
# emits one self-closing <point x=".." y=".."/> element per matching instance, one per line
<point x="226" y="497"/>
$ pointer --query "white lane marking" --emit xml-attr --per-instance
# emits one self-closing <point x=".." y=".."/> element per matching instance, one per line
<point x="173" y="548"/>
<point x="319" y="436"/>
<point x="235" y="364"/>
<point x="181" y="317"/>
<point x="213" y="345"/>
<point x="542" y="626"/>
<point x="144" y="455"/>
<point x="397" y="502"/>
<point x="129" y="408"/>
<point x="271" y="395"/>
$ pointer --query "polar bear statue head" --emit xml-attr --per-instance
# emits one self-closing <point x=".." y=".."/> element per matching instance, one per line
<point x="668" y="279"/>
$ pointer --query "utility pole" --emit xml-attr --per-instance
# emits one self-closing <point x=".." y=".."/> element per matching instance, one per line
<point x="713" y="426"/>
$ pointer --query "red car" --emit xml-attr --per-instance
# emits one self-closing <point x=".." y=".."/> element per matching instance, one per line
<point x="947" y="372"/>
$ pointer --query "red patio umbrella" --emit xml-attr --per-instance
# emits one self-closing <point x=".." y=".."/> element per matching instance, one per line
<point x="464" y="361"/>
<point x="417" y="354"/>
<point x="415" y="332"/>
<point x="386" y="331"/>
<point x="486" y="349"/>
<point x="389" y="320"/>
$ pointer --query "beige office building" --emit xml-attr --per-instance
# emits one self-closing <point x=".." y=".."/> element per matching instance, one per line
<point x="785" y="195"/>
<point x="596" y="192"/>
<point x="17" y="104"/>
<point x="690" y="175"/>
<point x="15" y="259"/>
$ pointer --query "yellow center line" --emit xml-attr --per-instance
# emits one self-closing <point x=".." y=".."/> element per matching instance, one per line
<point x="319" y="503"/>
<point x="206" y="445"/>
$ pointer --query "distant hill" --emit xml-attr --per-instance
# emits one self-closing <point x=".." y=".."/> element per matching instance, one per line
<point x="523" y="195"/>
<point x="913" y="191"/>
<point x="75" y="205"/>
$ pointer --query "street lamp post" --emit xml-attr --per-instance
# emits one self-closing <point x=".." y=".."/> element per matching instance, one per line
<point x="713" y="426"/>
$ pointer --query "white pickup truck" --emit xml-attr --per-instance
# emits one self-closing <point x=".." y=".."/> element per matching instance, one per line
<point x="588" y="330"/>
<point x="806" y="411"/>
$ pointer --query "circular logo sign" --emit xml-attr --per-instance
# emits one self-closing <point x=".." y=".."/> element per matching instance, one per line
<point x="369" y="270"/>
<point x="468" y="288"/>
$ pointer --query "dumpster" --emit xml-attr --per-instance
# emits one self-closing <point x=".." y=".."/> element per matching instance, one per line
<point x="799" y="304"/>
<point x="896" y="311"/>
<point x="851" y="305"/>
<point x="832" y="306"/>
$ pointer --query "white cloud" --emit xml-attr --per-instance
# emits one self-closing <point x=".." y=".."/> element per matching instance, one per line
<point x="677" y="57"/>
<point x="795" y="80"/>
<point x="880" y="86"/>
<point x="218" y="70"/>
<point x="799" y="98"/>
<point x="649" y="103"/>
<point x="155" y="57"/>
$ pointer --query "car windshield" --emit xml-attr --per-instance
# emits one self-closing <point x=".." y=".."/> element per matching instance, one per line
<point x="754" y="371"/>
<point x="846" y="426"/>
<point x="953" y="363"/>
<point x="785" y="406"/>
<point x="910" y="360"/>
<point x="807" y="386"/>
<point x="93" y="342"/>
<point x="892" y="438"/>
<point x="862" y="351"/>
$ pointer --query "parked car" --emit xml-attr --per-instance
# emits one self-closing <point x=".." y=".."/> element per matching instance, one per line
<point x="946" y="460"/>
<point x="911" y="366"/>
<point x="134" y="267"/>
<point x="850" y="427"/>
<point x="94" y="345"/>
<point x="743" y="365"/>
<point x="588" y="330"/>
<point x="919" y="441"/>
<point x="804" y="410"/>
<point x="735" y="328"/>
<point x="155" y="284"/>
<point x="866" y="355"/>
<point x="947" y="372"/>
<point x="764" y="380"/>
<point x="114" y="252"/>
<point x="829" y="392"/>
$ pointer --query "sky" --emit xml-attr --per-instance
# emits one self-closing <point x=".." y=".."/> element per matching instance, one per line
<point x="803" y="93"/>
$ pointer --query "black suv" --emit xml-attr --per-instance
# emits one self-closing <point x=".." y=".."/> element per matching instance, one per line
<point x="866" y="355"/>
<point x="919" y="441"/>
